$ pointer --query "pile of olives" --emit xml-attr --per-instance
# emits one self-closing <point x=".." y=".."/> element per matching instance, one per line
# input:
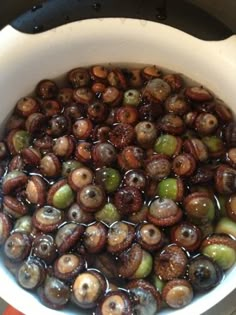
<point x="118" y="190"/>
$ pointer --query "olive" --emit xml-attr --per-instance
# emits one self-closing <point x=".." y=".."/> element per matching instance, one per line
<point x="131" y="97"/>
<point x="13" y="207"/>
<point x="24" y="225"/>
<point x="168" y="145"/>
<point x="31" y="274"/>
<point x="172" y="124"/>
<point x="151" y="72"/>
<point x="146" y="134"/>
<point x="88" y="288"/>
<point x="116" y="78"/>
<point x="176" y="104"/>
<point x="114" y="302"/>
<point x="60" y="195"/>
<point x="13" y="181"/>
<point x="5" y="227"/>
<point x="122" y="135"/>
<point x="109" y="178"/>
<point x="198" y="94"/>
<point x="196" y="148"/>
<point x="36" y="190"/>
<point x="54" y="293"/>
<point x="44" y="144"/>
<point x="134" y="77"/>
<point x="47" y="218"/>
<point x="227" y="226"/>
<point x="95" y="237"/>
<point x="214" y="145"/>
<point x="97" y="112"/>
<point x="44" y="248"/>
<point x="80" y="177"/>
<point x="158" y="167"/>
<point x="135" y="178"/>
<point x="83" y="95"/>
<point x="174" y="80"/>
<point x="184" y="164"/>
<point x="50" y="165"/>
<point x="68" y="266"/>
<point x="46" y="89"/>
<point x="128" y="200"/>
<point x="68" y="166"/>
<point x="127" y="115"/>
<point x="230" y="134"/>
<point x="17" y="140"/>
<point x="206" y="123"/>
<point x="172" y="188"/>
<point x="131" y="157"/>
<point x="203" y="273"/>
<point x="51" y="108"/>
<point x="108" y="214"/>
<point x="65" y="96"/>
<point x="17" y="246"/>
<point x="57" y="126"/>
<point x="99" y="73"/>
<point x="225" y="182"/>
<point x="31" y="156"/>
<point x="91" y="198"/>
<point x="16" y="163"/>
<point x="112" y="96"/>
<point x="76" y="214"/>
<point x="78" y="77"/>
<point x="104" y="154"/>
<point x="35" y="123"/>
<point x="64" y="146"/>
<point x="157" y="90"/>
<point x="149" y="236"/>
<point x="83" y="152"/>
<point x="82" y="128"/>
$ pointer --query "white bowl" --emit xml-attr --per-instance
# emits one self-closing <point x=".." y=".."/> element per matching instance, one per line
<point x="26" y="59"/>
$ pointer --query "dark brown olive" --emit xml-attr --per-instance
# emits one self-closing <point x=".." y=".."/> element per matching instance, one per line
<point x="231" y="157"/>
<point x="136" y="178"/>
<point x="97" y="112"/>
<point x="198" y="94"/>
<point x="128" y="200"/>
<point x="106" y="264"/>
<point x="104" y="154"/>
<point x="88" y="288"/>
<point x="130" y="260"/>
<point x="54" y="293"/>
<point x="15" y="122"/>
<point x="120" y="236"/>
<point x="65" y="96"/>
<point x="73" y="112"/>
<point x="91" y="198"/>
<point x="68" y="266"/>
<point x="44" y="248"/>
<point x="139" y="216"/>
<point x="200" y="208"/>
<point x="99" y="73"/>
<point x="149" y="236"/>
<point x="82" y="128"/>
<point x="31" y="274"/>
<point x="164" y="212"/>
<point x="112" y="96"/>
<point x="31" y="156"/>
<point x="13" y="207"/>
<point x="196" y="148"/>
<point x="44" y="144"/>
<point x="83" y="152"/>
<point x="115" y="302"/>
<point x="203" y="174"/>
<point x="190" y="118"/>
<point x="158" y="166"/>
<point x="57" y="126"/>
<point x="184" y="165"/>
<point x="51" y="108"/>
<point x="177" y="293"/>
<point x="16" y="163"/>
<point x="206" y="124"/>
<point x="35" y="123"/>
<point x="78" y="77"/>
<point x="36" y="190"/>
<point x="134" y="77"/>
<point x="95" y="237"/>
<point x="150" y="112"/>
<point x="127" y="115"/>
<point x="17" y="140"/>
<point x="177" y="104"/>
<point x="47" y="218"/>
<point x="203" y="273"/>
<point x="151" y="72"/>
<point x="186" y="235"/>
<point x="144" y="297"/>
<point x="223" y="112"/>
<point x="27" y="106"/>
<point x="230" y="134"/>
<point x="76" y="214"/>
<point x="80" y="177"/>
<point x="172" y="124"/>
<point x="131" y="157"/>
<point x="171" y="262"/>
<point x="5" y="227"/>
<point x="146" y="134"/>
<point x="17" y="246"/>
<point x="174" y="80"/>
<point x="98" y="88"/>
<point x="46" y="89"/>
<point x="116" y="78"/>
<point x="64" y="146"/>
<point x="83" y="95"/>
<point x="13" y="181"/>
<point x="225" y="180"/>
<point x="101" y="133"/>
<point x="50" y="165"/>
<point x="122" y="135"/>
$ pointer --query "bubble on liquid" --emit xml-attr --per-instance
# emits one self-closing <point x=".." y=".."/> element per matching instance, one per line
<point x="38" y="29"/>
<point x="161" y="14"/>
<point x="36" y="7"/>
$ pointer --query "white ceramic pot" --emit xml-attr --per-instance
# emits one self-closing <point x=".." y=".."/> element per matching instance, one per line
<point x="26" y="59"/>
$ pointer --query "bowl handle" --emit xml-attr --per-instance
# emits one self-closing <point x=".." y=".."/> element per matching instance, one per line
<point x="49" y="14"/>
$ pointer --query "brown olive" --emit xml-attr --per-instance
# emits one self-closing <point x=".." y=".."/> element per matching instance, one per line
<point x="106" y="263"/>
<point x="73" y="112"/>
<point x="184" y="164"/>
<point x="177" y="293"/>
<point x="171" y="262"/>
<point x="76" y="214"/>
<point x="68" y="266"/>
<point x="157" y="90"/>
<point x="46" y="89"/>
<point x="36" y="190"/>
<point x="112" y="96"/>
<point x="206" y="124"/>
<point x="130" y="260"/>
<point x="31" y="274"/>
<point x="174" y="80"/>
<point x="122" y="135"/>
<point x="172" y="124"/>
<point x="231" y="157"/>
<point x="139" y="216"/>
<point x="116" y="78"/>
<point x="99" y="73"/>
<point x="136" y="178"/>
<point x="91" y="198"/>
<point x="128" y="200"/>
<point x="83" y="152"/>
<point x="15" y="122"/>
<point x="64" y="146"/>
<point x="13" y="207"/>
<point x="47" y="218"/>
<point x="67" y="236"/>
<point x="51" y="108"/>
<point x="127" y="115"/>
<point x="223" y="112"/>
<point x="50" y="165"/>
<point x="5" y="227"/>
<point x="44" y="144"/>
<point x="146" y="134"/>
<point x="101" y="133"/>
<point x="131" y="157"/>
<point x="54" y="293"/>
<point x="17" y="246"/>
<point x="16" y="163"/>
<point x="83" y="95"/>
<point x="31" y="156"/>
<point x="13" y="181"/>
<point x="44" y="248"/>
<point x="98" y="88"/>
<point x="225" y="179"/>
<point x="82" y="128"/>
<point x="149" y="236"/>
<point x="35" y="123"/>
<point x="186" y="235"/>
<point x="114" y="302"/>
<point x="27" y="106"/>
<point x="78" y="77"/>
<point x="104" y="154"/>
<point x="203" y="174"/>
<point x="134" y="77"/>
<point x="97" y="112"/>
<point x="196" y="148"/>
<point x="177" y="104"/>
<point x="164" y="212"/>
<point x="80" y="177"/>
<point x="95" y="237"/>
<point x="190" y="118"/>
<point x="65" y="96"/>
<point x="158" y="166"/>
<point x="198" y="94"/>
<point x="151" y="72"/>
<point x="88" y="288"/>
<point x="120" y="236"/>
<point x="57" y="126"/>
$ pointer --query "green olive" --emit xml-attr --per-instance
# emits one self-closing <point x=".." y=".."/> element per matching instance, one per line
<point x="21" y="140"/>
<point x="166" y="144"/>
<point x="109" y="178"/>
<point x="145" y="266"/>
<point x="131" y="97"/>
<point x="170" y="188"/>
<point x="223" y="255"/>
<point x="69" y="166"/>
<point x="227" y="226"/>
<point x="63" y="197"/>
<point x="108" y="214"/>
